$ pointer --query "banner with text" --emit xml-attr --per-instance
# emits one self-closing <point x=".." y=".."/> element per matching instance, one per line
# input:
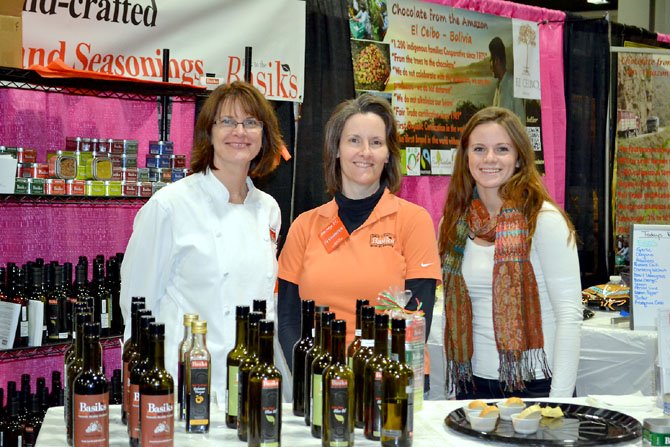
<point x="641" y="183"/>
<point x="438" y="66"/>
<point x="126" y="37"/>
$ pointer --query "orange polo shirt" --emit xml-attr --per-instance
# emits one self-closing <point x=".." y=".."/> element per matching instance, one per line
<point x="396" y="242"/>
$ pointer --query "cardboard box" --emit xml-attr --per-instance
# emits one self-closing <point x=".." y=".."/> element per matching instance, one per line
<point x="11" y="33"/>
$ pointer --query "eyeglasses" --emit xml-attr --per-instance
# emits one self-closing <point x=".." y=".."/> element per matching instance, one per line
<point x="228" y="122"/>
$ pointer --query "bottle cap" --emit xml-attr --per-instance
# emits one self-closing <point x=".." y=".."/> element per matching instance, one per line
<point x="321" y="309"/>
<point x="308" y="306"/>
<point x="398" y="323"/>
<point x="255" y="317"/>
<point x="267" y="326"/>
<point x="360" y="303"/>
<point x="189" y="318"/>
<point x="199" y="327"/>
<point x="145" y="320"/>
<point x="156" y="329"/>
<point x="367" y="312"/>
<point x="381" y="320"/>
<point x="339" y="327"/>
<point x="139" y="299"/>
<point x="259" y="306"/>
<point x="241" y="311"/>
<point x="84" y="317"/>
<point x="327" y="318"/>
<point x="91" y="329"/>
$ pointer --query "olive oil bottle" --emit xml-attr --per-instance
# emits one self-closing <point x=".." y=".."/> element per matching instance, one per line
<point x="356" y="343"/>
<point x="265" y="388"/>
<point x="361" y="357"/>
<point x="397" y="393"/>
<point x="130" y="350"/>
<point x="300" y="350"/>
<point x="72" y="370"/>
<point x="138" y="367"/>
<point x="319" y="365"/>
<point x="246" y="365"/>
<point x="91" y="394"/>
<point x="233" y="363"/>
<point x="198" y="373"/>
<point x="156" y="394"/>
<point x="309" y="359"/>
<point x="183" y="348"/>
<point x="338" y="394"/>
<point x="372" y="386"/>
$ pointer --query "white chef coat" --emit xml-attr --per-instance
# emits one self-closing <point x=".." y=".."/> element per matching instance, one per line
<point x="191" y="251"/>
<point x="556" y="270"/>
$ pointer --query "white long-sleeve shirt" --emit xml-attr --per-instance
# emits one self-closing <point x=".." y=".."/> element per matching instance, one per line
<point x="556" y="268"/>
<point x="192" y="251"/>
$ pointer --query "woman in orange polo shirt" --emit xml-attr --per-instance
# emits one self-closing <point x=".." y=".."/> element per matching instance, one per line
<point x="364" y="241"/>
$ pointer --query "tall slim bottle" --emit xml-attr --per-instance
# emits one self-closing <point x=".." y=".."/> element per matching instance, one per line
<point x="138" y="367"/>
<point x="233" y="363"/>
<point x="309" y="359"/>
<point x="72" y="370"/>
<point x="156" y="394"/>
<point x="364" y="353"/>
<point x="338" y="393"/>
<point x="198" y="373"/>
<point x="91" y="394"/>
<point x="356" y="343"/>
<point x="246" y="365"/>
<point x="372" y="386"/>
<point x="182" y="349"/>
<point x="300" y="350"/>
<point x="103" y="299"/>
<point x="265" y="384"/>
<point x="56" y="308"/>
<point x="130" y="349"/>
<point x="15" y="294"/>
<point x="397" y="393"/>
<point x="319" y="365"/>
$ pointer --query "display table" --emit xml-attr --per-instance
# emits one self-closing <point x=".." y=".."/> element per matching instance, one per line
<point x="429" y="430"/>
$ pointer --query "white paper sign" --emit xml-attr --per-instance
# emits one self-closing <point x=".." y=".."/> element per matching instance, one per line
<point x="7" y="174"/>
<point x="650" y="274"/>
<point x="35" y="322"/>
<point x="9" y="318"/>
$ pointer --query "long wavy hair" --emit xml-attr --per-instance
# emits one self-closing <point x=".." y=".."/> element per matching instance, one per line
<point x="525" y="188"/>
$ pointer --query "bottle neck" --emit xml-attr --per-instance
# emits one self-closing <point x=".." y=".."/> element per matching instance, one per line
<point x="381" y="341"/>
<point x="398" y="345"/>
<point x="326" y="339"/>
<point x="317" y="334"/>
<point x="338" y="349"/>
<point x="265" y="348"/>
<point x="79" y="340"/>
<point x="252" y="340"/>
<point x="199" y="341"/>
<point x="307" y="324"/>
<point x="241" y="331"/>
<point x="135" y="329"/>
<point x="92" y="354"/>
<point x="158" y="349"/>
<point x="368" y="330"/>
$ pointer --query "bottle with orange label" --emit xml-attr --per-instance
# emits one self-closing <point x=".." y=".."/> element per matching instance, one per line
<point x="91" y="394"/>
<point x="130" y="350"/>
<point x="198" y="372"/>
<point x="265" y="384"/>
<point x="156" y="394"/>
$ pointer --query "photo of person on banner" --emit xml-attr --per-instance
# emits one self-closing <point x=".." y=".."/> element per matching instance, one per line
<point x="504" y="92"/>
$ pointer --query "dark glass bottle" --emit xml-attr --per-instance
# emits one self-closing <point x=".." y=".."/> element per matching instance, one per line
<point x="198" y="373"/>
<point x="300" y="349"/>
<point x="265" y="385"/>
<point x="364" y="353"/>
<point x="338" y="394"/>
<point x="69" y="352"/>
<point x="156" y="394"/>
<point x="72" y="370"/>
<point x="246" y="365"/>
<point x="309" y="359"/>
<point x="13" y="422"/>
<point x="319" y="365"/>
<point x="397" y="393"/>
<point x="116" y="388"/>
<point x="78" y="292"/>
<point x="233" y="359"/>
<point x="3" y="284"/>
<point x="103" y="299"/>
<point x="113" y="284"/>
<point x="372" y="385"/>
<point x="138" y="366"/>
<point x="130" y="350"/>
<point x="16" y="295"/>
<point x="57" y="308"/>
<point x="56" y="396"/>
<point x="356" y="343"/>
<point x="91" y="394"/>
<point x="259" y="306"/>
<point x="33" y="421"/>
<point x="38" y="293"/>
<point x="182" y="349"/>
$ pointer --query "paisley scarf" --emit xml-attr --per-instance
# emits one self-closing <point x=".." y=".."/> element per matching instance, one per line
<point x="517" y="320"/>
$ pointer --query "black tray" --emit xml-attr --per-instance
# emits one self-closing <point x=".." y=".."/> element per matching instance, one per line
<point x="581" y="425"/>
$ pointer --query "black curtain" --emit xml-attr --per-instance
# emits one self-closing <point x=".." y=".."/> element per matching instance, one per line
<point x="587" y="66"/>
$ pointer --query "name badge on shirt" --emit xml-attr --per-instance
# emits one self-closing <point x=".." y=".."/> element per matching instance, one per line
<point x="333" y="234"/>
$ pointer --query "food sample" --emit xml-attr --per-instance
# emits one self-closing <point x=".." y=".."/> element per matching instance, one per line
<point x="476" y="404"/>
<point x="514" y="401"/>
<point x="489" y="411"/>
<point x="530" y="411"/>
<point x="552" y="412"/>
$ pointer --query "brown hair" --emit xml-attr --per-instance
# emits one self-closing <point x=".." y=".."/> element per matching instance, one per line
<point x="525" y="187"/>
<point x="252" y="102"/>
<point x="366" y="103"/>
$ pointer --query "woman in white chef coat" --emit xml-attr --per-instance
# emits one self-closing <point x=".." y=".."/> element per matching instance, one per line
<point x="207" y="243"/>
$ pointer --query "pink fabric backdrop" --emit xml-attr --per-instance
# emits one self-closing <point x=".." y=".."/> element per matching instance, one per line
<point x="431" y="192"/>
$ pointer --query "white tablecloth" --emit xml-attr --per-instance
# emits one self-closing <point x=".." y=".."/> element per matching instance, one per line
<point x="429" y="430"/>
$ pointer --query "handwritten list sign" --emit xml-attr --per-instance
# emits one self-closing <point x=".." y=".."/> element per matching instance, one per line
<point x="650" y="274"/>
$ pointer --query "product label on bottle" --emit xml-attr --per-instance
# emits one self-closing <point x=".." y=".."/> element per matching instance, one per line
<point x="233" y="382"/>
<point x="52" y="322"/>
<point x="104" y="316"/>
<point x="126" y="387"/>
<point x="270" y="413"/>
<point x="24" y="328"/>
<point x="367" y="342"/>
<point x="358" y="332"/>
<point x="317" y="400"/>
<point x="157" y="420"/>
<point x="91" y="420"/>
<point x="410" y="407"/>
<point x="338" y="414"/>
<point x="198" y="393"/>
<point x="377" y="407"/>
<point x="134" y="419"/>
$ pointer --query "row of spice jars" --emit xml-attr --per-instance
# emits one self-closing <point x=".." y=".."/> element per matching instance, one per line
<point x="94" y="188"/>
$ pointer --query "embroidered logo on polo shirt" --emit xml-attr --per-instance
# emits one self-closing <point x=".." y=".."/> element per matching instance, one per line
<point x="382" y="240"/>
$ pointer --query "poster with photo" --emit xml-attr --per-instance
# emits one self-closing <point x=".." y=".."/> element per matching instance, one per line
<point x="438" y="66"/>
